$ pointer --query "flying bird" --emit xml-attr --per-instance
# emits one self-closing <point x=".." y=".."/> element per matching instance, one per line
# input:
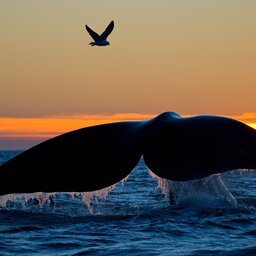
<point x="100" y="40"/>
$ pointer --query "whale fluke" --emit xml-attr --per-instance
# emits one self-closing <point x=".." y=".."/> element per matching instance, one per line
<point x="182" y="149"/>
<point x="93" y="158"/>
<point x="84" y="160"/>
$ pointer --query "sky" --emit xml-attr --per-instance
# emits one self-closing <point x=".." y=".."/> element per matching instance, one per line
<point x="190" y="57"/>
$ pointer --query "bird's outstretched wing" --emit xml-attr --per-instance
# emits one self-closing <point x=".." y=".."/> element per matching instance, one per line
<point x="107" y="31"/>
<point x="93" y="34"/>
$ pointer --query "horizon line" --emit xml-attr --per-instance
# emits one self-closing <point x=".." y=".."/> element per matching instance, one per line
<point x="25" y="132"/>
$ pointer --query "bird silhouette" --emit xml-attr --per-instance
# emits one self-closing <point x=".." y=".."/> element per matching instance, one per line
<point x="100" y="40"/>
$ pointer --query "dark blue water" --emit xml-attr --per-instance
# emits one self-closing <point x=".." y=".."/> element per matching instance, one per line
<point x="136" y="219"/>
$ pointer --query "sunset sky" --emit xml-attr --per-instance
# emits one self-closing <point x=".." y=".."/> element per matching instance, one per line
<point x="190" y="57"/>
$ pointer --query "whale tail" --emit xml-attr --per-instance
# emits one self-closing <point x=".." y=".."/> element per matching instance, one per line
<point x="96" y="157"/>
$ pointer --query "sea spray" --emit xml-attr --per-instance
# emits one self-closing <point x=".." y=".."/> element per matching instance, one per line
<point x="41" y="198"/>
<point x="204" y="192"/>
<point x="22" y="199"/>
<point x="87" y="197"/>
<point x="162" y="184"/>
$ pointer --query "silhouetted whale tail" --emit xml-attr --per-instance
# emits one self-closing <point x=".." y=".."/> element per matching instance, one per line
<point x="93" y="158"/>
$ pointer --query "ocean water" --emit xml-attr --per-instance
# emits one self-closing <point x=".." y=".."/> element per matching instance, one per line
<point x="212" y="216"/>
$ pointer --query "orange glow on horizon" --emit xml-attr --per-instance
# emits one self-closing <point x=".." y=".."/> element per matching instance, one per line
<point x="48" y="127"/>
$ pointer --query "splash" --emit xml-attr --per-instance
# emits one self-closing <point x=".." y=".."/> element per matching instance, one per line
<point x="162" y="184"/>
<point x="23" y="199"/>
<point x="88" y="197"/>
<point x="41" y="198"/>
<point x="207" y="191"/>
